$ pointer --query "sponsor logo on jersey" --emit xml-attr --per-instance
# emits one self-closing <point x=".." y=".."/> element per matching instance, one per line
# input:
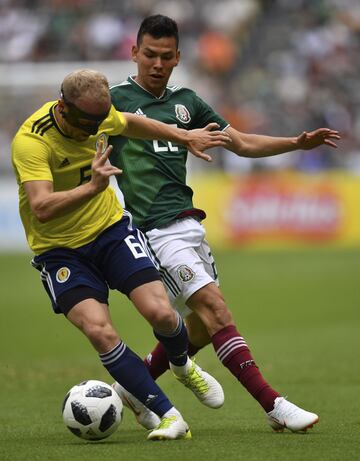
<point x="182" y="113"/>
<point x="63" y="274"/>
<point x="185" y="273"/>
<point x="64" y="163"/>
<point x="101" y="139"/>
<point x="140" y="112"/>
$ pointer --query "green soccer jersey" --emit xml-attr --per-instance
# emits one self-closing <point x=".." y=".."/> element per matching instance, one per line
<point x="154" y="172"/>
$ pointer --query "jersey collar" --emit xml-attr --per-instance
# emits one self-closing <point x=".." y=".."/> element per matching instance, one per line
<point x="133" y="81"/>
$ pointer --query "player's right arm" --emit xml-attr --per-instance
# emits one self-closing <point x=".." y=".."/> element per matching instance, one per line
<point x="47" y="204"/>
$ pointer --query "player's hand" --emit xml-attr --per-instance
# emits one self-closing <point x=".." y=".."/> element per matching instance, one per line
<point x="204" y="138"/>
<point x="102" y="169"/>
<point x="306" y="141"/>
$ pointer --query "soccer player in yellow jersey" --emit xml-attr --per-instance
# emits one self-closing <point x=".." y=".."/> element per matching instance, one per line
<point x="84" y="242"/>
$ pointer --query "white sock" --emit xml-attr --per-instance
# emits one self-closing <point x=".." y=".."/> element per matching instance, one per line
<point x="172" y="412"/>
<point x="181" y="371"/>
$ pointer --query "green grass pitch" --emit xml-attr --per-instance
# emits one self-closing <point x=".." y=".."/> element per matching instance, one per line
<point x="298" y="310"/>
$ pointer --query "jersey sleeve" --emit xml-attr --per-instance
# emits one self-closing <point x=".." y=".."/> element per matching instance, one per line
<point x="206" y="114"/>
<point x="116" y="122"/>
<point x="30" y="157"/>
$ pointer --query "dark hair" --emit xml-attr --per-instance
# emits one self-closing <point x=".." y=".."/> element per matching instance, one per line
<point x="158" y="26"/>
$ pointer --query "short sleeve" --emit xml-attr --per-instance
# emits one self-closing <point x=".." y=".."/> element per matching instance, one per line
<point x="115" y="122"/>
<point x="30" y="157"/>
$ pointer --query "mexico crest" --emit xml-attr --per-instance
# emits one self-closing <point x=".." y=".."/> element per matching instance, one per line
<point x="185" y="273"/>
<point x="182" y="113"/>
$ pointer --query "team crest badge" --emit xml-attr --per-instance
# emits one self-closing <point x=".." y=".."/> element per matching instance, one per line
<point x="63" y="274"/>
<point x="185" y="273"/>
<point x="182" y="113"/>
<point x="102" y="139"/>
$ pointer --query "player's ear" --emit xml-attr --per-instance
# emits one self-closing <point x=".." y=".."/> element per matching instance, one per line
<point x="134" y="52"/>
<point x="61" y="105"/>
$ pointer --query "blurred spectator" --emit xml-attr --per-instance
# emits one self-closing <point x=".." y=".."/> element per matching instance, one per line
<point x="269" y="66"/>
<point x="19" y="31"/>
<point x="216" y="52"/>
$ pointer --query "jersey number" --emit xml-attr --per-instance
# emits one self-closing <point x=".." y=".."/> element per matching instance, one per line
<point x="84" y="176"/>
<point x="167" y="148"/>
<point x="135" y="247"/>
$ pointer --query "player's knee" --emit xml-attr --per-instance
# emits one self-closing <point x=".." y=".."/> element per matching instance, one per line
<point x="102" y="336"/>
<point x="164" y="319"/>
<point x="160" y="314"/>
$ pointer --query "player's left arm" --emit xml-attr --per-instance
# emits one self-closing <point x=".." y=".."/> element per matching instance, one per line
<point x="253" y="145"/>
<point x="196" y="141"/>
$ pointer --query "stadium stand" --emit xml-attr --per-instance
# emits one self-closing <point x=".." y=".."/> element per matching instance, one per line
<point x="271" y="66"/>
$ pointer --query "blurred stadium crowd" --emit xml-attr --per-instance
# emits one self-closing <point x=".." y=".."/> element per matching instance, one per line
<point x="276" y="67"/>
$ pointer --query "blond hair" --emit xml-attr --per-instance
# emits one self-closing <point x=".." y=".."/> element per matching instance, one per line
<point x="84" y="83"/>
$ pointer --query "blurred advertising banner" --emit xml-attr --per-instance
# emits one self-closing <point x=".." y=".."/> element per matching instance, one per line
<point x="280" y="209"/>
<point x="260" y="210"/>
<point x="12" y="236"/>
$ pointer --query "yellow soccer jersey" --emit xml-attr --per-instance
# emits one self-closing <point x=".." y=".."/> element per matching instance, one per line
<point x="41" y="151"/>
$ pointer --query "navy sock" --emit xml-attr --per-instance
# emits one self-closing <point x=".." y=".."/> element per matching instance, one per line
<point x="129" y="370"/>
<point x="176" y="343"/>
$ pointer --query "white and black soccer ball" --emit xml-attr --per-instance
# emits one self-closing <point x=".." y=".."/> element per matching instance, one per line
<point x="92" y="410"/>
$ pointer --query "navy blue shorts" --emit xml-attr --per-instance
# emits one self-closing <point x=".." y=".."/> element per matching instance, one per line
<point x="107" y="262"/>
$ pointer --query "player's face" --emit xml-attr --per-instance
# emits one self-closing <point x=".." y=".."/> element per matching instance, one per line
<point x="83" y="122"/>
<point x="156" y="59"/>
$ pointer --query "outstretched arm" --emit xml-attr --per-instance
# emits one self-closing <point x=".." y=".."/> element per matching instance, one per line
<point x="253" y="145"/>
<point x="195" y="140"/>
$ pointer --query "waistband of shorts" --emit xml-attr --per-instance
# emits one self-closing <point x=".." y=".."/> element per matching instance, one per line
<point x="177" y="220"/>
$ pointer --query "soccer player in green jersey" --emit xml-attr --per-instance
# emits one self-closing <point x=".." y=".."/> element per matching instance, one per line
<point x="84" y="241"/>
<point x="156" y="193"/>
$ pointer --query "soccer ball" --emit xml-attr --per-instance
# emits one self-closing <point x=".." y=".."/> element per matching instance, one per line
<point x="92" y="410"/>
